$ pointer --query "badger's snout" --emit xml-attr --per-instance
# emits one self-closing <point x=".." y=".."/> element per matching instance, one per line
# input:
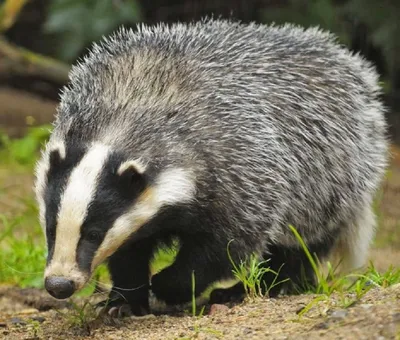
<point x="59" y="287"/>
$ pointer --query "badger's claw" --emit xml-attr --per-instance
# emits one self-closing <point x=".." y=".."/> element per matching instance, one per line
<point x="120" y="308"/>
<point x="124" y="310"/>
<point x="106" y="305"/>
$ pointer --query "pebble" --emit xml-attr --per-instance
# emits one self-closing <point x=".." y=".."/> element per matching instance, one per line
<point x="28" y="311"/>
<point x="394" y="287"/>
<point x="396" y="317"/>
<point x="366" y="305"/>
<point x="339" y="314"/>
<point x="247" y="331"/>
<point x="17" y="321"/>
<point x="217" y="308"/>
<point x="322" y="325"/>
<point x="39" y="319"/>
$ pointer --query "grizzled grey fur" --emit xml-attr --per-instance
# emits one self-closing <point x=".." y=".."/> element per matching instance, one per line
<point x="280" y="125"/>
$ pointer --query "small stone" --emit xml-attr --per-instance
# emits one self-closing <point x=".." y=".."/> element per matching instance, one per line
<point x="396" y="317"/>
<point x="39" y="319"/>
<point x="339" y="314"/>
<point x="322" y="325"/>
<point x="394" y="287"/>
<point x="247" y="330"/>
<point x="217" y="308"/>
<point x="28" y="311"/>
<point x="366" y="305"/>
<point x="17" y="321"/>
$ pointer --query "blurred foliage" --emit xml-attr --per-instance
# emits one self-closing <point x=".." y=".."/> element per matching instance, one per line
<point x="22" y="258"/>
<point x="382" y="20"/>
<point x="341" y="18"/>
<point x="78" y="23"/>
<point x="24" y="151"/>
<point x="306" y="13"/>
<point x="9" y="12"/>
<point x="72" y="25"/>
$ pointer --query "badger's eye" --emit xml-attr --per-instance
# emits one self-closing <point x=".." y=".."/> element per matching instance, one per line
<point x="93" y="236"/>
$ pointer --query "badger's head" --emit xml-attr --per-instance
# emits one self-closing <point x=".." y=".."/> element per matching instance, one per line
<point x="92" y="199"/>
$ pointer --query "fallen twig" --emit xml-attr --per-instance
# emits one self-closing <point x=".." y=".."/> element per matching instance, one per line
<point x="20" y="61"/>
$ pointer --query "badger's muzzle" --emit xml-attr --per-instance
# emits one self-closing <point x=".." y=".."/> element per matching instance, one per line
<point x="59" y="287"/>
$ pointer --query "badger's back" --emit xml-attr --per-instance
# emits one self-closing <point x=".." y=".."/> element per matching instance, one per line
<point x="283" y="124"/>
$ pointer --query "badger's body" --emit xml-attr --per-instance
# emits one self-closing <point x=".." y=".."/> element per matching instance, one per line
<point x="210" y="132"/>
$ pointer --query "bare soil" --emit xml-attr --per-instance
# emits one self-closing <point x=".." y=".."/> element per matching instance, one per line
<point x="375" y="316"/>
<point x="32" y="314"/>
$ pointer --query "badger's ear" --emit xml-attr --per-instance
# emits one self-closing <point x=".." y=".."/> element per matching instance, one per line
<point x="131" y="173"/>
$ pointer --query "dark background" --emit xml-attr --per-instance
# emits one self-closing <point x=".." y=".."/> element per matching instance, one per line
<point x="64" y="29"/>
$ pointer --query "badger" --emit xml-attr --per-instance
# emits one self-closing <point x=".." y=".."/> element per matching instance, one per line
<point x="214" y="133"/>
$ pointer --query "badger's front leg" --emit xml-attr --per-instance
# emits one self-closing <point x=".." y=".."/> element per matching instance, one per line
<point x="129" y="269"/>
<point x="207" y="258"/>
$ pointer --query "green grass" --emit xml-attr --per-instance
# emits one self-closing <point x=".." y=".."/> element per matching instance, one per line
<point x="250" y="273"/>
<point x="352" y="287"/>
<point x="22" y="258"/>
<point x="24" y="151"/>
<point x="357" y="283"/>
<point x="323" y="285"/>
<point x="80" y="316"/>
<point x="349" y="287"/>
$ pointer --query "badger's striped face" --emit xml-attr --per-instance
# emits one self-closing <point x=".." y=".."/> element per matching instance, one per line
<point x="91" y="200"/>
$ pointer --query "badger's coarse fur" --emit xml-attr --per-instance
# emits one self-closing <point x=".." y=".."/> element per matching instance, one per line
<point x="210" y="132"/>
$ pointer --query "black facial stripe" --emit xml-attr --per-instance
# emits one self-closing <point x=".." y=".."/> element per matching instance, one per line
<point x="114" y="195"/>
<point x="57" y="178"/>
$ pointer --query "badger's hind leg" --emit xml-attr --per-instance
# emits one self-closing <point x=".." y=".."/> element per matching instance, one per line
<point x="352" y="248"/>
<point x="290" y="270"/>
<point x="347" y="252"/>
<point x="199" y="254"/>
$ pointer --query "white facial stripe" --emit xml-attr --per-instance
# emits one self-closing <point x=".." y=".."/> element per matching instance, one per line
<point x="74" y="204"/>
<point x="140" y="168"/>
<point x="173" y="186"/>
<point x="41" y="172"/>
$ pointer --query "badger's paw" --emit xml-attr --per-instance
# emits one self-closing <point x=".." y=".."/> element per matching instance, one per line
<point x="119" y="308"/>
<point x="121" y="311"/>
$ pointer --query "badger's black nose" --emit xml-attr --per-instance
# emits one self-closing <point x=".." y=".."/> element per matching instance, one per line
<point x="59" y="287"/>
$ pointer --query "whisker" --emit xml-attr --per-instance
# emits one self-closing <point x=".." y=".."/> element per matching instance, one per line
<point x="109" y="286"/>
<point x="21" y="272"/>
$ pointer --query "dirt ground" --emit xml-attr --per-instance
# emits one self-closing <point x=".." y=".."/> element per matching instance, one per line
<point x="375" y="316"/>
<point x="32" y="314"/>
